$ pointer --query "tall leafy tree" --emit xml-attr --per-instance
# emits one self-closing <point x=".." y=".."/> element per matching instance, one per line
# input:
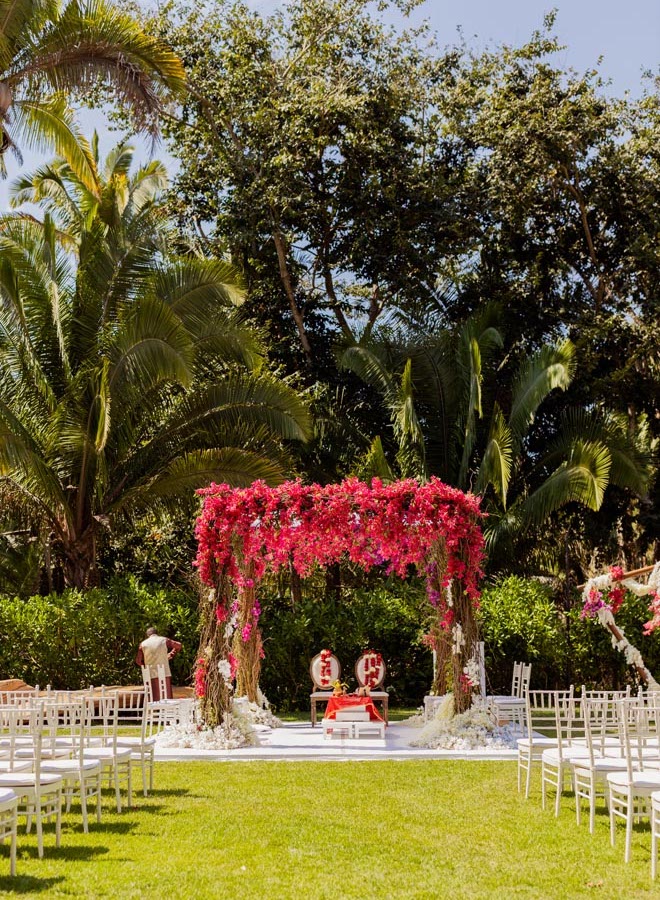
<point x="307" y="143"/>
<point x="127" y="374"/>
<point x="561" y="200"/>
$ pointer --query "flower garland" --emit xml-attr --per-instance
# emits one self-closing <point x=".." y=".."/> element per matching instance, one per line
<point x="326" y="668"/>
<point x="602" y="598"/>
<point x="373" y="667"/>
<point x="201" y="667"/>
<point x="394" y="526"/>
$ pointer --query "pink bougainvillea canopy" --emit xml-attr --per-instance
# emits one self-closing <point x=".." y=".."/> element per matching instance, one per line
<point x="243" y="532"/>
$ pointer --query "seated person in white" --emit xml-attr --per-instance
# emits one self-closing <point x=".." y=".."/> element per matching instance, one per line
<point x="157" y="651"/>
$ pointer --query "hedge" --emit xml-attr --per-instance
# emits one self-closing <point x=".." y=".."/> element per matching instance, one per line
<point x="79" y="638"/>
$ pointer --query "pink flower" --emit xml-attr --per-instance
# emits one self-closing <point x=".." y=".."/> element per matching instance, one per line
<point x="200" y="677"/>
<point x="246" y="632"/>
<point x="593" y="604"/>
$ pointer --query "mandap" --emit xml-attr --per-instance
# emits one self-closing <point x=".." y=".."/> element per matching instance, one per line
<point x="245" y="533"/>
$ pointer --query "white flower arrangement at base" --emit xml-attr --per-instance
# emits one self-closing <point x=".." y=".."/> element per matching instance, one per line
<point x="256" y="713"/>
<point x="234" y="733"/>
<point x="467" y="731"/>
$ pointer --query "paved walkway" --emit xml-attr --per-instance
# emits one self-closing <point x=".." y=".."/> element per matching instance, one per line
<point x="299" y="741"/>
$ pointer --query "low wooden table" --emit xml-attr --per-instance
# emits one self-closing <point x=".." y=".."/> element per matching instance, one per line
<point x="376" y="696"/>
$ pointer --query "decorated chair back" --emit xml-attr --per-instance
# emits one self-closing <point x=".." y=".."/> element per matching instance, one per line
<point x="370" y="670"/>
<point x="324" y="669"/>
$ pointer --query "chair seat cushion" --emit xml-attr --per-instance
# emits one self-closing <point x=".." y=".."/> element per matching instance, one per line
<point x="58" y="753"/>
<point x="7" y="796"/>
<point x="104" y="754"/>
<point x="568" y="753"/>
<point x="22" y="766"/>
<point x="27" y="779"/>
<point x="525" y="743"/>
<point x="135" y="742"/>
<point x="604" y="764"/>
<point x="62" y="766"/>
<point x="641" y="780"/>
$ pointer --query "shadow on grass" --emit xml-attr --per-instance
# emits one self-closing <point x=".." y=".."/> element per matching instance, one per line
<point x="26" y="884"/>
<point x="67" y="853"/>
<point x="102" y="828"/>
<point x="169" y="792"/>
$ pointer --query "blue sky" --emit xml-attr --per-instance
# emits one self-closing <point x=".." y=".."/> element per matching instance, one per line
<point x="626" y="33"/>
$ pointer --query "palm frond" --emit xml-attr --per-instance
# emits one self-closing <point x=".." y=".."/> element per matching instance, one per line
<point x="374" y="464"/>
<point x="551" y="367"/>
<point x="92" y="41"/>
<point x="366" y="363"/>
<point x="630" y="454"/>
<point x="495" y="468"/>
<point x="52" y="122"/>
<point x="582" y="478"/>
<point x="230" y="465"/>
<point x="153" y="346"/>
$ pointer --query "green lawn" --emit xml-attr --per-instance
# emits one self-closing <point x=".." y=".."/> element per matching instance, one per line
<point x="313" y="830"/>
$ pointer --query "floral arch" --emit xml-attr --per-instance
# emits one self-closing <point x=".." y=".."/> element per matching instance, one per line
<point x="244" y="533"/>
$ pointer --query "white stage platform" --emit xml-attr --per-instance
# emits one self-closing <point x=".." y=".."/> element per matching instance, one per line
<point x="299" y="741"/>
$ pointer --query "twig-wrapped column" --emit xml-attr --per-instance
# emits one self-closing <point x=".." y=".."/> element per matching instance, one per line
<point x="247" y="646"/>
<point x="213" y="670"/>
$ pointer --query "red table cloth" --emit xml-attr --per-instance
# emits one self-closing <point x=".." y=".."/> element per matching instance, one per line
<point x="348" y="700"/>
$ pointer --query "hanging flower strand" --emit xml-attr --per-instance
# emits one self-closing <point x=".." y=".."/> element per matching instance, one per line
<point x="602" y="598"/>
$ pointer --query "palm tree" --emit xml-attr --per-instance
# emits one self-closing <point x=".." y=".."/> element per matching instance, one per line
<point x="128" y="376"/>
<point x="454" y="416"/>
<point x="50" y="50"/>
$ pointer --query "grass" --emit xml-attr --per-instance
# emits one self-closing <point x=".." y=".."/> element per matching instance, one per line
<point x="334" y="831"/>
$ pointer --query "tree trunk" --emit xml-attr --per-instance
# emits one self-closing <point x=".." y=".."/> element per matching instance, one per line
<point x="285" y="275"/>
<point x="79" y="560"/>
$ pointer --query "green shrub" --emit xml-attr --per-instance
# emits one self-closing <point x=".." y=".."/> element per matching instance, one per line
<point x="80" y="638"/>
<point x="519" y="621"/>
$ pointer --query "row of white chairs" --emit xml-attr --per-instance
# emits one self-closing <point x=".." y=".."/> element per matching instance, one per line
<point x="60" y="745"/>
<point x="601" y="744"/>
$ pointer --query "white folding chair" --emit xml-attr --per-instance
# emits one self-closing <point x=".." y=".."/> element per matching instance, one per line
<point x="540" y="731"/>
<point x="604" y="755"/>
<point x="9" y="823"/>
<point x="164" y="711"/>
<point x="114" y="759"/>
<point x="556" y="761"/>
<point x="80" y="774"/>
<point x="132" y="704"/>
<point x="39" y="794"/>
<point x="511" y="708"/>
<point x="630" y="790"/>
